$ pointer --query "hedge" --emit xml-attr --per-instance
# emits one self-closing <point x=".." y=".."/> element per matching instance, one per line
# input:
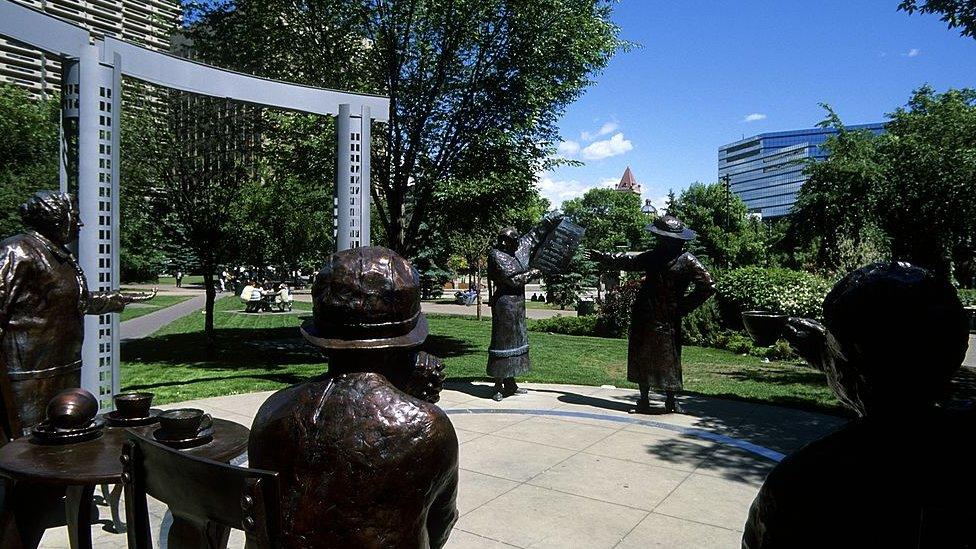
<point x="794" y="293"/>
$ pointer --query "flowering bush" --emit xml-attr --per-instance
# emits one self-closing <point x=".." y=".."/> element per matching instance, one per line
<point x="794" y="293"/>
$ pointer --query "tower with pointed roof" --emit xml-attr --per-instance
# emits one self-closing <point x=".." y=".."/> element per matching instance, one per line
<point x="628" y="183"/>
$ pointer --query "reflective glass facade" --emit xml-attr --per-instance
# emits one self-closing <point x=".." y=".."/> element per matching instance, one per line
<point x="766" y="170"/>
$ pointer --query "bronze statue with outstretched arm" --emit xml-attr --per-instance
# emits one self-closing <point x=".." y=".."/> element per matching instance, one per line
<point x="43" y="299"/>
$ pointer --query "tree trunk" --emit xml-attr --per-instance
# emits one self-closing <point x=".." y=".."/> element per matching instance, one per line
<point x="208" y="323"/>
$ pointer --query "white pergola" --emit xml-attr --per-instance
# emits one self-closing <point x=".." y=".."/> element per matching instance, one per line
<point x="91" y="101"/>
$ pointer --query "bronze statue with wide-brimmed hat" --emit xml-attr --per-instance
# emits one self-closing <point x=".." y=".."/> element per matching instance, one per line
<point x="366" y="459"/>
<point x="675" y="283"/>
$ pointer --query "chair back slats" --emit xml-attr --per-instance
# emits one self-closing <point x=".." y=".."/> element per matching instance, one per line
<point x="198" y="490"/>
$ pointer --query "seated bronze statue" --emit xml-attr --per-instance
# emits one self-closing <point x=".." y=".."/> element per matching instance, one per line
<point x="365" y="459"/>
<point x="900" y="475"/>
<point x="43" y="300"/>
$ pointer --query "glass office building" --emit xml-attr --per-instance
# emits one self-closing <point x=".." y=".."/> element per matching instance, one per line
<point x="766" y="170"/>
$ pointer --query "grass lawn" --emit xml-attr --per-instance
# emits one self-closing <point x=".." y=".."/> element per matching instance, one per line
<point x="263" y="352"/>
<point x="187" y="279"/>
<point x="151" y="306"/>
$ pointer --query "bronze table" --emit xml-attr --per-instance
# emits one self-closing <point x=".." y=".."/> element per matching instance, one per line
<point x="38" y="475"/>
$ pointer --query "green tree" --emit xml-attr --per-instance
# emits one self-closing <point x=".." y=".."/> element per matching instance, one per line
<point x="727" y="236"/>
<point x="469" y="81"/>
<point x="956" y="13"/>
<point x="926" y="204"/>
<point x="611" y="218"/>
<point x="28" y="152"/>
<point x="142" y="221"/>
<point x="833" y="215"/>
<point x="908" y="194"/>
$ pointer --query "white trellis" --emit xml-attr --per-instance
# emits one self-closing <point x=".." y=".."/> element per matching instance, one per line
<point x="92" y="70"/>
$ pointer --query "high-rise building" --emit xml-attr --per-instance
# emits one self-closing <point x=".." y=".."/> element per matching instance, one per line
<point x="628" y="183"/>
<point x="146" y="22"/>
<point x="766" y="170"/>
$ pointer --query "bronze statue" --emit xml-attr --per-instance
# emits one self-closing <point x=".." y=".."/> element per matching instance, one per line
<point x="654" y="342"/>
<point x="900" y="475"/>
<point x="362" y="462"/>
<point x="509" y="269"/>
<point x="43" y="300"/>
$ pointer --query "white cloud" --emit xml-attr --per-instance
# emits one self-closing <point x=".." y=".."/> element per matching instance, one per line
<point x="606" y="129"/>
<point x="606" y="148"/>
<point x="661" y="203"/>
<point x="558" y="191"/>
<point x="914" y="52"/>
<point x="754" y="117"/>
<point x="568" y="148"/>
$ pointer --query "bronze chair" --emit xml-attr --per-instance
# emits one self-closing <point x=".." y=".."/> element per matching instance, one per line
<point x="206" y="498"/>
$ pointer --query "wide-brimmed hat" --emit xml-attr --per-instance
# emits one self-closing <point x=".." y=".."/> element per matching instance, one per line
<point x="366" y="298"/>
<point x="671" y="227"/>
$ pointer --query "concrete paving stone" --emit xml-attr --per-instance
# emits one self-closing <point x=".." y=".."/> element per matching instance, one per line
<point x="529" y="516"/>
<point x="662" y="448"/>
<point x="673" y="533"/>
<point x="611" y="480"/>
<point x="542" y="430"/>
<point x="710" y="500"/>
<point x="485" y="423"/>
<point x="478" y="489"/>
<point x="465" y="540"/>
<point x="465" y="436"/>
<point x="737" y="465"/>
<point x="510" y="459"/>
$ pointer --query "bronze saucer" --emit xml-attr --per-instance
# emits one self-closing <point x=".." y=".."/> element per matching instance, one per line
<point x="202" y="437"/>
<point x="45" y="433"/>
<point x="117" y="420"/>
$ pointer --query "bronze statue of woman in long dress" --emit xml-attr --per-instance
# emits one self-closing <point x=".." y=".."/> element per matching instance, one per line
<point x="43" y="300"/>
<point x="509" y="270"/>
<point x="654" y="343"/>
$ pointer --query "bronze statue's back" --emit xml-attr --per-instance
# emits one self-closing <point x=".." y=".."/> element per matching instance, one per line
<point x="363" y="464"/>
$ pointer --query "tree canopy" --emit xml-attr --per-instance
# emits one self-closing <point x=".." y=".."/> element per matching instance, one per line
<point x="727" y="236"/>
<point x="472" y="83"/>
<point x="908" y="194"/>
<point x="959" y="14"/>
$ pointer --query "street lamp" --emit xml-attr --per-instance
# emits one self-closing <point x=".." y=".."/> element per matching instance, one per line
<point x="727" y="183"/>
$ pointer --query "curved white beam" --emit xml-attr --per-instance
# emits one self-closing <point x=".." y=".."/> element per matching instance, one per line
<point x="186" y="75"/>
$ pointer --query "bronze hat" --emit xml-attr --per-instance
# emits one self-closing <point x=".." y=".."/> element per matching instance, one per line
<point x="671" y="227"/>
<point x="366" y="298"/>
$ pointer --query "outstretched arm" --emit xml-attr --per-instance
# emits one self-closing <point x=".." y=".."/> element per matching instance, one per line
<point x="100" y="303"/>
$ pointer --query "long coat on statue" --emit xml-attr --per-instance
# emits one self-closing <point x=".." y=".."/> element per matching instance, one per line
<point x="43" y="300"/>
<point x="654" y="344"/>
<point x="508" y="353"/>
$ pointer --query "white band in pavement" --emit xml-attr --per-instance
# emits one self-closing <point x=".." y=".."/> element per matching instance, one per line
<point x="699" y="433"/>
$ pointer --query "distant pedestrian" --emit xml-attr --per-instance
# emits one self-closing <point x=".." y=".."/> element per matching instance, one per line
<point x="179" y="278"/>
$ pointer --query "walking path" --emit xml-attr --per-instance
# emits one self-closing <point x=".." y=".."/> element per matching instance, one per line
<point x="971" y="353"/>
<point x="143" y="326"/>
<point x="567" y="466"/>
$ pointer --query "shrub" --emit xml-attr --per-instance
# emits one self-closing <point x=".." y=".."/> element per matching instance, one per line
<point x="701" y="326"/>
<point x="736" y="342"/>
<point x="968" y="297"/>
<point x="795" y="293"/>
<point x="614" y="314"/>
<point x="569" y="325"/>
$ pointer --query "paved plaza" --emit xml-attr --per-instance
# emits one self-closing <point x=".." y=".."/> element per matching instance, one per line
<point x="567" y="466"/>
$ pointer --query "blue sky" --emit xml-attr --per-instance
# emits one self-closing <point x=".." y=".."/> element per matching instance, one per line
<point x="709" y="72"/>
